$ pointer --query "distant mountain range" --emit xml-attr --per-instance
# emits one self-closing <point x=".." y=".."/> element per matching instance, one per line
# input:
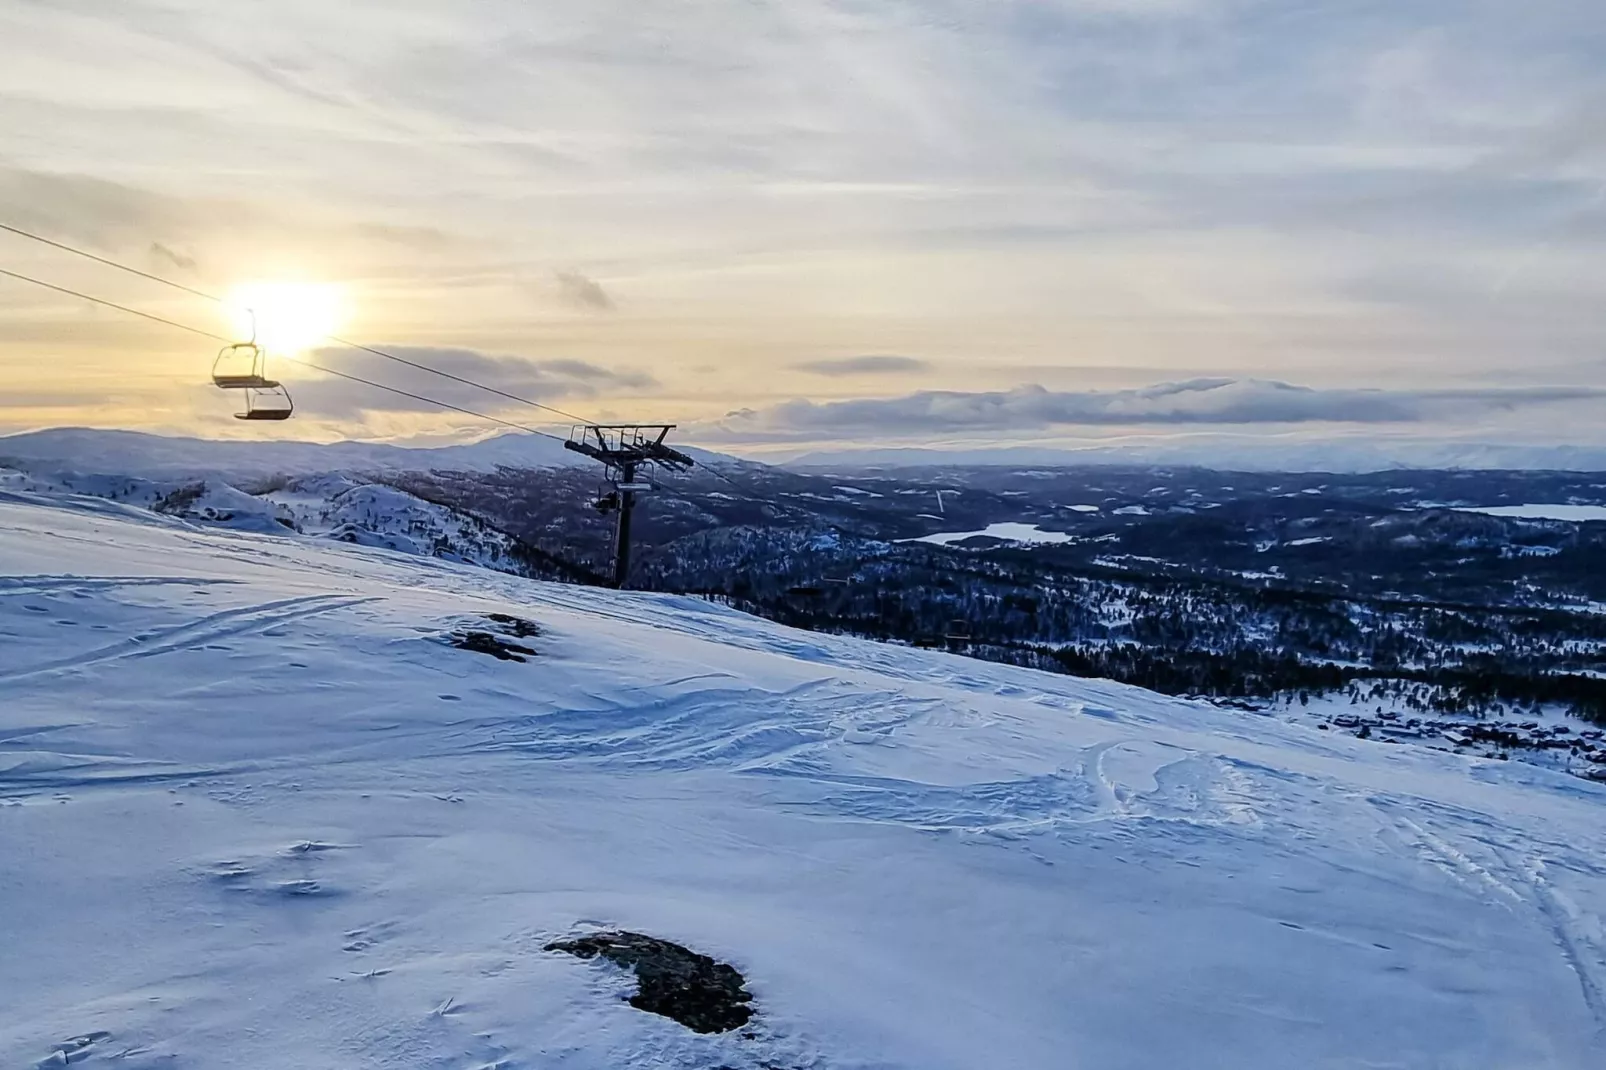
<point x="160" y="456"/>
<point x="157" y="456"/>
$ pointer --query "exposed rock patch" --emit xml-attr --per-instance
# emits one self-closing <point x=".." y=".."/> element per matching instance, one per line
<point x="495" y="643"/>
<point x="517" y="627"/>
<point x="676" y="982"/>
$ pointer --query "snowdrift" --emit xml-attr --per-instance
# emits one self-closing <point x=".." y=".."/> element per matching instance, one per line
<point x="267" y="802"/>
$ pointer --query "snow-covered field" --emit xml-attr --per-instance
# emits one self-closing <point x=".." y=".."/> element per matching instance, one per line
<point x="255" y="813"/>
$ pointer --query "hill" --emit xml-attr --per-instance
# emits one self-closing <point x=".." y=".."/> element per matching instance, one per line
<point x="270" y="802"/>
<point x="155" y="456"/>
<point x="137" y="453"/>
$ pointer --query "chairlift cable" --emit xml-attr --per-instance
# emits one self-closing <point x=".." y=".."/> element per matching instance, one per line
<point x="298" y="360"/>
<point x="87" y="255"/>
<point x="329" y="337"/>
<point x="796" y="510"/>
<point x="113" y="304"/>
<point x="459" y="379"/>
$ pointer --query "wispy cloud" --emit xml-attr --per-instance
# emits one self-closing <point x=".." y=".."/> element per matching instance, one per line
<point x="871" y="364"/>
<point x="582" y="291"/>
<point x="167" y="258"/>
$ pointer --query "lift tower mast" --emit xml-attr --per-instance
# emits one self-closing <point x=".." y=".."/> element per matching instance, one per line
<point x="628" y="453"/>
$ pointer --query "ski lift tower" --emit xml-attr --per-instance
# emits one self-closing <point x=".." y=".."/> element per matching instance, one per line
<point x="628" y="453"/>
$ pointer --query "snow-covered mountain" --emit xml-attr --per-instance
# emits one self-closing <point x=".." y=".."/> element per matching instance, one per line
<point x="157" y="456"/>
<point x="161" y="456"/>
<point x="330" y="506"/>
<point x="265" y="802"/>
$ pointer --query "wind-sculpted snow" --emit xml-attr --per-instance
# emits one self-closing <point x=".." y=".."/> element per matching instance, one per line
<point x="258" y="810"/>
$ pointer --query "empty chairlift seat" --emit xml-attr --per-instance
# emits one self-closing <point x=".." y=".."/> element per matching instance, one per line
<point x="240" y="366"/>
<point x="266" y="401"/>
<point x="243" y="367"/>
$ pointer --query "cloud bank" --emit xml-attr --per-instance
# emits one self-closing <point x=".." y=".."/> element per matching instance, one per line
<point x="546" y="381"/>
<point x="1026" y="409"/>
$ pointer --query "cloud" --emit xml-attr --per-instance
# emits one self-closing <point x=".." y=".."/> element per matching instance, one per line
<point x="84" y="207"/>
<point x="588" y="372"/>
<point x="866" y="365"/>
<point x="554" y="382"/>
<point x="178" y="260"/>
<point x="1194" y="402"/>
<point x="582" y="291"/>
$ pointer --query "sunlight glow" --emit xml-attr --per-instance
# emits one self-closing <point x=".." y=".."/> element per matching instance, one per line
<point x="286" y="317"/>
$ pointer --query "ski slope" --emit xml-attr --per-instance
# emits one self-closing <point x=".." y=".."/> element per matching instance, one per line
<point x="255" y="812"/>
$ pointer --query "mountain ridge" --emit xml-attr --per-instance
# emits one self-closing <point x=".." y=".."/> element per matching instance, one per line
<point x="146" y="454"/>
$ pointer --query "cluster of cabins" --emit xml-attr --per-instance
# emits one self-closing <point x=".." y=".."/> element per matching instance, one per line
<point x="1389" y="727"/>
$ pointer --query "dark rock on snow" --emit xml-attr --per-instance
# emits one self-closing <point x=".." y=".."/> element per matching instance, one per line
<point x="494" y="645"/>
<point x="694" y="990"/>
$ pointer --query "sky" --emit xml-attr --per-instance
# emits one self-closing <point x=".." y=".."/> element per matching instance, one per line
<point x="823" y="224"/>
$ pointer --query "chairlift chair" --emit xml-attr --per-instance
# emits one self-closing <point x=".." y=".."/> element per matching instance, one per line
<point x="266" y="400"/>
<point x="240" y="366"/>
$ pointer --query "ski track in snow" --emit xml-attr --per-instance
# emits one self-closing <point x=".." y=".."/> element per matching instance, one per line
<point x="81" y="586"/>
<point x="1516" y="878"/>
<point x="279" y="818"/>
<point x="195" y="634"/>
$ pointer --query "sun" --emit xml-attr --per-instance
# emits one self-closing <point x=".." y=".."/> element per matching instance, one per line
<point x="286" y="317"/>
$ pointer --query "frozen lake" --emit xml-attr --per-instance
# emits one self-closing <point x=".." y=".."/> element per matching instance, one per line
<point x="1575" y="513"/>
<point x="1014" y="532"/>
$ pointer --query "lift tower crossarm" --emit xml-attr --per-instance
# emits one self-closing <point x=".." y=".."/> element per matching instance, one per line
<point x="623" y="449"/>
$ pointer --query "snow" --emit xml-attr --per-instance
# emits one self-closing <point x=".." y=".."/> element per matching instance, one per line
<point x="254" y="812"/>
<point x="332" y="505"/>
<point x="1574" y="513"/>
<point x="1011" y="532"/>
<point x="1083" y="508"/>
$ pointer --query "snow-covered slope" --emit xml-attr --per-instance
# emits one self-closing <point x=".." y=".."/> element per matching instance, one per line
<point x="333" y="506"/>
<point x="205" y="501"/>
<point x="255" y="812"/>
<point x="372" y="514"/>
